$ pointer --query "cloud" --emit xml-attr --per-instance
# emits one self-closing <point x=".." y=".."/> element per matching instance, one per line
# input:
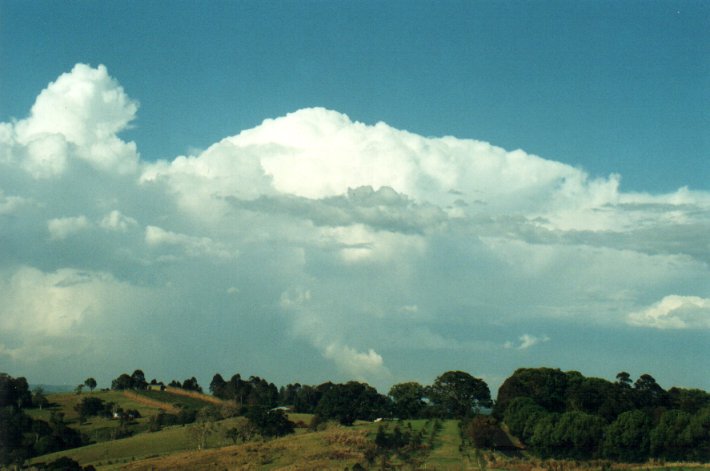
<point x="61" y="228"/>
<point x="360" y="365"/>
<point x="526" y="341"/>
<point x="81" y="111"/>
<point x="674" y="312"/>
<point x="313" y="237"/>
<point x="192" y="246"/>
<point x="56" y="303"/>
<point x="115" y="221"/>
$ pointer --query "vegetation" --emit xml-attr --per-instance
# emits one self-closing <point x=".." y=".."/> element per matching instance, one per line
<point x="565" y="415"/>
<point x="539" y="414"/>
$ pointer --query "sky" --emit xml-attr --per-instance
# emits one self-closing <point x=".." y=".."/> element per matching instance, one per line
<point x="382" y="191"/>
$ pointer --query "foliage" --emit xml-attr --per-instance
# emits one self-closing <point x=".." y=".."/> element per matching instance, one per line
<point x="408" y="400"/>
<point x="481" y="431"/>
<point x="350" y="401"/>
<point x="457" y="394"/>
<point x="14" y="392"/>
<point x="270" y="423"/>
<point x="627" y="438"/>
<point x="90" y="383"/>
<point x="22" y="437"/>
<point x="545" y="386"/>
<point x="191" y="385"/>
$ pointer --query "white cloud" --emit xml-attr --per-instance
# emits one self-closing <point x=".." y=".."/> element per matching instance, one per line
<point x="361" y="365"/>
<point x="674" y="312"/>
<point x="374" y="241"/>
<point x="115" y="221"/>
<point x="61" y="228"/>
<point x="10" y="204"/>
<point x="78" y="115"/>
<point x="193" y="246"/>
<point x="55" y="303"/>
<point x="526" y="341"/>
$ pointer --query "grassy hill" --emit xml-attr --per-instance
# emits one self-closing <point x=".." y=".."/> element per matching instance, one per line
<point x="334" y="447"/>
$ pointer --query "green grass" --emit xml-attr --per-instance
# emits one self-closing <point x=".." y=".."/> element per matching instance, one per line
<point x="97" y="429"/>
<point x="167" y="441"/>
<point x="446" y="452"/>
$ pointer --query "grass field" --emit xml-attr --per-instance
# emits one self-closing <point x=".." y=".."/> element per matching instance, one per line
<point x="336" y="447"/>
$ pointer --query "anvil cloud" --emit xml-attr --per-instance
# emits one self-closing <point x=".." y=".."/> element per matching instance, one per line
<point x="312" y="247"/>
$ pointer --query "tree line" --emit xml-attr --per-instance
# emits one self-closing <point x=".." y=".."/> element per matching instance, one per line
<point x="555" y="414"/>
<point x="454" y="394"/>
<point x="567" y="415"/>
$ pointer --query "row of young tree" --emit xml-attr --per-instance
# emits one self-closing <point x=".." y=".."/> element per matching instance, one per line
<point x="566" y="415"/>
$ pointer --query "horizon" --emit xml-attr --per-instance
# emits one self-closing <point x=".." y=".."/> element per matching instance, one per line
<point x="378" y="192"/>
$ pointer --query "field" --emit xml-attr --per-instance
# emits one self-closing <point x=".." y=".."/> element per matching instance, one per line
<point x="330" y="447"/>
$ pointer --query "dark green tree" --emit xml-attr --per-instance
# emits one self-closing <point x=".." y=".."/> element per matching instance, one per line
<point x="521" y="417"/>
<point x="668" y="439"/>
<point x="122" y="382"/>
<point x="90" y="383"/>
<point x="481" y="431"/>
<point x="627" y="438"/>
<point x="408" y="400"/>
<point x="39" y="399"/>
<point x="688" y="400"/>
<point x="649" y="393"/>
<point x="138" y="380"/>
<point x="578" y="435"/>
<point x="546" y="386"/>
<point x="457" y="394"/>
<point x="191" y="384"/>
<point x="218" y="386"/>
<point x="270" y="423"/>
<point x="350" y="401"/>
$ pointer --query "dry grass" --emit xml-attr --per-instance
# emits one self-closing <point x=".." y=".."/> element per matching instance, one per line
<point x="196" y="395"/>
<point x="146" y="401"/>
<point x="330" y="449"/>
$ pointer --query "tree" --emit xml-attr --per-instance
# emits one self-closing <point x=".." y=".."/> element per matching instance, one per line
<point x="191" y="385"/>
<point x="14" y="392"/>
<point x="578" y="435"/>
<point x="408" y="400"/>
<point x="688" y="400"/>
<point x="648" y="393"/>
<point x="38" y="398"/>
<point x="218" y="386"/>
<point x="78" y="389"/>
<point x="138" y="380"/>
<point x="623" y="379"/>
<point x="522" y="415"/>
<point x="482" y="431"/>
<point x="668" y="440"/>
<point x="545" y="386"/>
<point x="627" y="438"/>
<point x="350" y="401"/>
<point x="122" y="382"/>
<point x="270" y="423"/>
<point x="90" y="383"/>
<point x="203" y="427"/>
<point x="457" y="394"/>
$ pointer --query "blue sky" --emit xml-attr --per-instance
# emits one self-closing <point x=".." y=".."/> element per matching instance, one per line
<point x="609" y="86"/>
<point x="259" y="186"/>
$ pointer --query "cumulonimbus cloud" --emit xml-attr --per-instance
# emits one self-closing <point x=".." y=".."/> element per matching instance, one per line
<point x="343" y="235"/>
